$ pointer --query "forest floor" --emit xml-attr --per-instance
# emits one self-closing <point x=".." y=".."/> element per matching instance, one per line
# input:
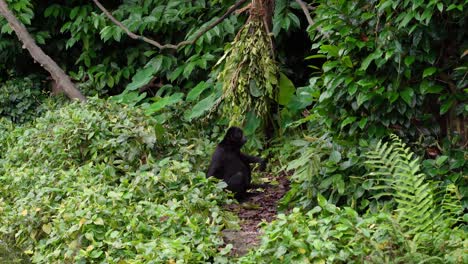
<point x="260" y="206"/>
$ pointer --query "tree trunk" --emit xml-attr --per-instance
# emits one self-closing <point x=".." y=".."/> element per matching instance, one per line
<point x="266" y="8"/>
<point x="60" y="77"/>
<point x="263" y="10"/>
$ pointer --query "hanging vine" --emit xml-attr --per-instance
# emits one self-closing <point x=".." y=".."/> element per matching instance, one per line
<point x="250" y="73"/>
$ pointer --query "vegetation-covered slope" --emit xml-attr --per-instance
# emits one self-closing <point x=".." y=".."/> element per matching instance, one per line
<point x="361" y="103"/>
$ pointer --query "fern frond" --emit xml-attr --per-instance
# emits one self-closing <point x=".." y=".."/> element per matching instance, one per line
<point x="424" y="218"/>
<point x="451" y="205"/>
<point x="395" y="167"/>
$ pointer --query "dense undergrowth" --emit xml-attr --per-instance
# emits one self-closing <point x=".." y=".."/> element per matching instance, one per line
<point x="403" y="216"/>
<point x="122" y="180"/>
<point x="94" y="183"/>
<point x="101" y="182"/>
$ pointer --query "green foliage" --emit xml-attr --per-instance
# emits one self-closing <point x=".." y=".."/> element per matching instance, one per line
<point x="326" y="234"/>
<point x="98" y="132"/>
<point x="394" y="166"/>
<point x="449" y="167"/>
<point x="423" y="220"/>
<point x="322" y="166"/>
<point x="21" y="99"/>
<point x="249" y="75"/>
<point x="102" y="182"/>
<point x="283" y="18"/>
<point x="103" y="59"/>
<point x="419" y="228"/>
<point x="387" y="64"/>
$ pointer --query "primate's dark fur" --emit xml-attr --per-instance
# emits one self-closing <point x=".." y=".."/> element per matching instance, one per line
<point x="231" y="165"/>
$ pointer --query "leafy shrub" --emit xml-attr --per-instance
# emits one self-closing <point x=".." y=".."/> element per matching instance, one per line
<point x="96" y="132"/>
<point x="410" y="227"/>
<point x="322" y="166"/>
<point x="20" y="99"/>
<point x="448" y="167"/>
<point x="387" y="65"/>
<point x="426" y="222"/>
<point x="325" y="234"/>
<point x="6" y="126"/>
<point x="83" y="185"/>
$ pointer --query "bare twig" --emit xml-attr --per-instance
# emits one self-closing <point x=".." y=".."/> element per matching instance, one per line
<point x="306" y="12"/>
<point x="168" y="46"/>
<point x="245" y="8"/>
<point x="61" y="79"/>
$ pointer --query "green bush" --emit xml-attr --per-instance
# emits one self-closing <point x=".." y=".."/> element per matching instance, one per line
<point x="326" y="234"/>
<point x="98" y="132"/>
<point x="410" y="225"/>
<point x="87" y="183"/>
<point x="21" y="99"/>
<point x="320" y="165"/>
<point x="388" y="66"/>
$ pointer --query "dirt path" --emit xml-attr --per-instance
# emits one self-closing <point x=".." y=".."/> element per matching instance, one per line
<point x="261" y="206"/>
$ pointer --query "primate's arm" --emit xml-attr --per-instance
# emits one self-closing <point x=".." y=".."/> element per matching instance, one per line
<point x="253" y="159"/>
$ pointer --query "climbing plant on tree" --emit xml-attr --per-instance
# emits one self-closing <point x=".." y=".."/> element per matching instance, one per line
<point x="250" y="72"/>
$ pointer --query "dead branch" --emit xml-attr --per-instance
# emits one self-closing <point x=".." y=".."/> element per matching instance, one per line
<point x="168" y="46"/>
<point x="306" y="11"/>
<point x="60" y="77"/>
<point x="245" y="8"/>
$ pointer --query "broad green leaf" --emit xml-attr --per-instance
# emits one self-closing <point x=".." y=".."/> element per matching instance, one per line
<point x="325" y="95"/>
<point x="188" y="69"/>
<point x="363" y="123"/>
<point x="322" y="202"/>
<point x="141" y="78"/>
<point x="157" y="63"/>
<point x="47" y="228"/>
<point x="429" y="87"/>
<point x="176" y="73"/>
<point x="252" y="123"/>
<point x="99" y="221"/>
<point x="352" y="89"/>
<point x="129" y="98"/>
<point x="110" y="81"/>
<point x="335" y="156"/>
<point x="330" y="49"/>
<point x="347" y="61"/>
<point x="367" y="83"/>
<point x="253" y="88"/>
<point x="286" y="90"/>
<point x="196" y="91"/>
<point x="339" y="183"/>
<point x="440" y="6"/>
<point x="362" y="98"/>
<point x="409" y="60"/>
<point x="202" y="106"/>
<point x="229" y="27"/>
<point x="429" y="71"/>
<point x="347" y="121"/>
<point x="373" y="56"/>
<point x="407" y="95"/>
<point x="74" y="12"/>
<point x="383" y="5"/>
<point x="441" y="159"/>
<point x="329" y="65"/>
<point x="446" y="106"/>
<point x="163" y="102"/>
<point x="406" y="19"/>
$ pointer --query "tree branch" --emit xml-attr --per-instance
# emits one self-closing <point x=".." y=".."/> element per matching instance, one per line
<point x="306" y="12"/>
<point x="59" y="76"/>
<point x="168" y="46"/>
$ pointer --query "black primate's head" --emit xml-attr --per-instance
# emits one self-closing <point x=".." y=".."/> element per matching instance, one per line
<point x="234" y="137"/>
